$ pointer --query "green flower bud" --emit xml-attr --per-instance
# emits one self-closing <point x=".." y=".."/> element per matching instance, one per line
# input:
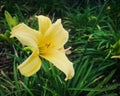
<point x="12" y="21"/>
<point x="116" y="48"/>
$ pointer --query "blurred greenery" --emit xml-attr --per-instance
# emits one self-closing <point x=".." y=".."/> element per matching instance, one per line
<point x="94" y="34"/>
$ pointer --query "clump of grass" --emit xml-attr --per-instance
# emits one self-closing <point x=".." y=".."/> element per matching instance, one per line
<point x="91" y="36"/>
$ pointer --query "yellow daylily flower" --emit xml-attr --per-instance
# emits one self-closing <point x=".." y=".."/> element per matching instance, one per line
<point x="47" y="43"/>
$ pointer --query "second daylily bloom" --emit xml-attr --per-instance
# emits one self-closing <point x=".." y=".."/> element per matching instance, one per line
<point x="47" y="43"/>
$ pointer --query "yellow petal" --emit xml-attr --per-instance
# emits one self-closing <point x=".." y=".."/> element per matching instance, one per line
<point x="118" y="57"/>
<point x="44" y="23"/>
<point x="61" y="62"/>
<point x="26" y="35"/>
<point x="57" y="34"/>
<point x="31" y="65"/>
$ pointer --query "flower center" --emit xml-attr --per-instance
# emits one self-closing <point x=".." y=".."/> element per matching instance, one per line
<point x="45" y="48"/>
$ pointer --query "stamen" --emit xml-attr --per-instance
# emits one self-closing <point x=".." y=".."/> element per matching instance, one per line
<point x="68" y="51"/>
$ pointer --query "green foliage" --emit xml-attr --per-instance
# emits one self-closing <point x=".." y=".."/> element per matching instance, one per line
<point x="94" y="33"/>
